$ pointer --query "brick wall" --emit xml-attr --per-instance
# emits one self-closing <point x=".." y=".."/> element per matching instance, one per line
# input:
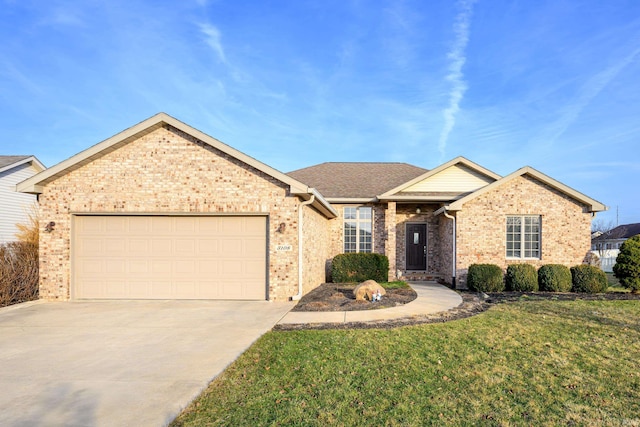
<point x="162" y="172"/>
<point x="481" y="224"/>
<point x="316" y="248"/>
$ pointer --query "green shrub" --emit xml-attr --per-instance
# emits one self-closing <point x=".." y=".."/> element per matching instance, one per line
<point x="485" y="278"/>
<point x="554" y="278"/>
<point x="588" y="278"/>
<point x="521" y="278"/>
<point x="358" y="267"/>
<point x="627" y="266"/>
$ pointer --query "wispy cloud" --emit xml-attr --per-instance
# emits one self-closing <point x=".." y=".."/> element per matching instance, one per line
<point x="213" y="39"/>
<point x="588" y="92"/>
<point x="457" y="58"/>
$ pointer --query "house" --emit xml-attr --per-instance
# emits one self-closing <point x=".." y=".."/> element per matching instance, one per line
<point x="607" y="245"/>
<point x="162" y="210"/>
<point x="15" y="207"/>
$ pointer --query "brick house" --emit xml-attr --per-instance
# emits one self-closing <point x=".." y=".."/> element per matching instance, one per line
<point x="162" y="210"/>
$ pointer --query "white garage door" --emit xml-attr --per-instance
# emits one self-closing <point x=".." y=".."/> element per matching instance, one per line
<point x="169" y="257"/>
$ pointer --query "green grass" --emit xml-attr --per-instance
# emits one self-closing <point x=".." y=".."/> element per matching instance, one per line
<point x="398" y="284"/>
<point x="541" y="363"/>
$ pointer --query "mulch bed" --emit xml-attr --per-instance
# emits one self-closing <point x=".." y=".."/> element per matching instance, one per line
<point x="472" y="303"/>
<point x="339" y="297"/>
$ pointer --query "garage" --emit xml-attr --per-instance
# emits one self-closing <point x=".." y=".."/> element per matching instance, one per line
<point x="169" y="257"/>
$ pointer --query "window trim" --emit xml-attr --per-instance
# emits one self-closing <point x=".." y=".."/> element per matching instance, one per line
<point x="523" y="238"/>
<point x="358" y="221"/>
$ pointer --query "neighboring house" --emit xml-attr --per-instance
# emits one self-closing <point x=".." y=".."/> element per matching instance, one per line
<point x="15" y="207"/>
<point x="162" y="210"/>
<point x="607" y="245"/>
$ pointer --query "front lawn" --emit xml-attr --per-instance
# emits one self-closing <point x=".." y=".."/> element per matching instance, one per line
<point x="525" y="363"/>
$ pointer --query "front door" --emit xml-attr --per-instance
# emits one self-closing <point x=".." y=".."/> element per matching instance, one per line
<point x="416" y="247"/>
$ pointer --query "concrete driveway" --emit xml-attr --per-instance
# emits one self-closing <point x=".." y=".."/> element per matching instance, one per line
<point x="119" y="363"/>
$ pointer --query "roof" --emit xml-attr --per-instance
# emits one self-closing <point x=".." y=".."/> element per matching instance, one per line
<point x="593" y="205"/>
<point x="8" y="162"/>
<point x="620" y="232"/>
<point x="36" y="183"/>
<point x="356" y="180"/>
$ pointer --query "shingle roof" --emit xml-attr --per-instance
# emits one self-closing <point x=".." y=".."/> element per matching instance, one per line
<point x="620" y="232"/>
<point x="354" y="179"/>
<point x="7" y="160"/>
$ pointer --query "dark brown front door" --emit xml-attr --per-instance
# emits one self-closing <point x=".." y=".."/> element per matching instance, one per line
<point x="416" y="246"/>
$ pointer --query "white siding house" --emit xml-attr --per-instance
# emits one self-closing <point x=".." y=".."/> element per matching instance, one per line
<point x="14" y="206"/>
<point x="607" y="245"/>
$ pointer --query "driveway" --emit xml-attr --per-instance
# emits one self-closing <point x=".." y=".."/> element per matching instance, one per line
<point x="119" y="363"/>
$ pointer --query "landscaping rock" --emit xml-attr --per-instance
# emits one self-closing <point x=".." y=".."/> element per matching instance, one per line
<point x="365" y="290"/>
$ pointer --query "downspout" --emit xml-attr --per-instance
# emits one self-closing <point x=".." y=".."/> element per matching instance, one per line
<point x="453" y="255"/>
<point x="300" y="246"/>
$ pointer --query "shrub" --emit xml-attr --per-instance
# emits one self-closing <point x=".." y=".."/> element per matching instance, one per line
<point x="485" y="278"/>
<point x="554" y="278"/>
<point x="18" y="273"/>
<point x="587" y="278"/>
<point x="358" y="267"/>
<point x="521" y="278"/>
<point x="627" y="266"/>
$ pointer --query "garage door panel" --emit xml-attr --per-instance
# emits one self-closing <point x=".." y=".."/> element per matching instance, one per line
<point x="160" y="267"/>
<point x="185" y="246"/>
<point x="162" y="225"/>
<point x="138" y="224"/>
<point x="136" y="246"/>
<point x="180" y="257"/>
<point x="115" y="225"/>
<point x="208" y="247"/>
<point x="161" y="247"/>
<point x="115" y="266"/>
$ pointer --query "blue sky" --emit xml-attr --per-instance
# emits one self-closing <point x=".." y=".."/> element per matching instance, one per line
<point x="551" y="84"/>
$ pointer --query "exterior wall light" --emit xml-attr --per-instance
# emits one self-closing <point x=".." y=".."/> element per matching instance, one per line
<point x="49" y="227"/>
<point x="281" y="227"/>
<point x="418" y="210"/>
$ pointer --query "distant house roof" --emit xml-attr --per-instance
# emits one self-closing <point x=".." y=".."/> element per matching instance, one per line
<point x="8" y="162"/>
<point x="620" y="232"/>
<point x="356" y="180"/>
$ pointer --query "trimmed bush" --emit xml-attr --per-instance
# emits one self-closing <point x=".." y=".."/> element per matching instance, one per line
<point x="554" y="278"/>
<point x="358" y="267"/>
<point x="589" y="279"/>
<point x="627" y="266"/>
<point x="521" y="278"/>
<point x="485" y="278"/>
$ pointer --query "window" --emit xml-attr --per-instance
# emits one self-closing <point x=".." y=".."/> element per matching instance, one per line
<point x="357" y="229"/>
<point x="523" y="237"/>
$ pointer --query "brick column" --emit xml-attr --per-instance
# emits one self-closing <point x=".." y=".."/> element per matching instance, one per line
<point x="390" y="241"/>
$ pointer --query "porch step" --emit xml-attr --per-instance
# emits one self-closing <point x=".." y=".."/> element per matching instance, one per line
<point x="420" y="277"/>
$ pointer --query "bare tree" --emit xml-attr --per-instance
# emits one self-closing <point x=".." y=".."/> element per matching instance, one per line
<point x="602" y="225"/>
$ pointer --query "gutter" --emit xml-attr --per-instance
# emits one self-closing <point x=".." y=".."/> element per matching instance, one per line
<point x="301" y="206"/>
<point x="453" y="255"/>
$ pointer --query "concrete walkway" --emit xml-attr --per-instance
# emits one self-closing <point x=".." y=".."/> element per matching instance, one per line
<point x="432" y="298"/>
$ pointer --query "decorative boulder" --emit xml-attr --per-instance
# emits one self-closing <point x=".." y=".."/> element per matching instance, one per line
<point x="365" y="290"/>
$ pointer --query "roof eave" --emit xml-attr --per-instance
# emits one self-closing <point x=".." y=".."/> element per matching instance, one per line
<point x="31" y="159"/>
<point x="319" y="202"/>
<point x="351" y="200"/>
<point x="429" y="199"/>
